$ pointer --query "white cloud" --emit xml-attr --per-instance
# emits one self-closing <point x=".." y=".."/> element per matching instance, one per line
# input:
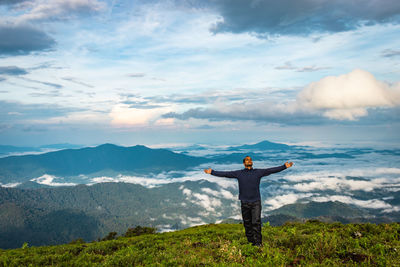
<point x="123" y="115"/>
<point x="236" y="217"/>
<point x="222" y="193"/>
<point x="387" y="171"/>
<point x="165" y="178"/>
<point x="392" y="209"/>
<point x="103" y="179"/>
<point x="49" y="180"/>
<point x="395" y="189"/>
<point x="187" y="192"/>
<point x="162" y="228"/>
<point x="370" y="204"/>
<point x="379" y="178"/>
<point x="281" y="200"/>
<point x="205" y="201"/>
<point x="191" y="221"/>
<point x="291" y="198"/>
<point x="211" y="192"/>
<point x="356" y="172"/>
<point x="339" y="184"/>
<point x="9" y="185"/>
<point x="165" y="216"/>
<point x="348" y="96"/>
<point x="344" y="97"/>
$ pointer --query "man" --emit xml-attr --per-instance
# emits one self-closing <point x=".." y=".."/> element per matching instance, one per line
<point x="249" y="195"/>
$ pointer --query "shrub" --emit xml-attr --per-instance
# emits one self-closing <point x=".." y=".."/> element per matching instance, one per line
<point x="139" y="230"/>
<point x="110" y="236"/>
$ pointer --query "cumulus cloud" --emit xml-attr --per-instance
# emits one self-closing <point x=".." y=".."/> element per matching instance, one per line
<point x="348" y="96"/>
<point x="344" y="97"/>
<point x="22" y="39"/>
<point x="302" y="17"/>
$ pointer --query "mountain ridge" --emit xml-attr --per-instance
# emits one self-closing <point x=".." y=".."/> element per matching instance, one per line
<point x="68" y="162"/>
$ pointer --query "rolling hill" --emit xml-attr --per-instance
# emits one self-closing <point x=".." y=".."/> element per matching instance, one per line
<point x="68" y="162"/>
<point x="296" y="244"/>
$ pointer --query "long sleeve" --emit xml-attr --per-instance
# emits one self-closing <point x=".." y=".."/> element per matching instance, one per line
<point x="265" y="172"/>
<point x="227" y="174"/>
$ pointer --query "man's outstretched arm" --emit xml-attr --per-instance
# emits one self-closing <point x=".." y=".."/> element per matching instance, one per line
<point x="231" y="174"/>
<point x="277" y="169"/>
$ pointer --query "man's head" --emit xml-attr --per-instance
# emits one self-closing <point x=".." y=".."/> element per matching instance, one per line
<point x="248" y="163"/>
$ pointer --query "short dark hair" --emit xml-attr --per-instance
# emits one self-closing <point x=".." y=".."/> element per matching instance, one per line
<point x="245" y="158"/>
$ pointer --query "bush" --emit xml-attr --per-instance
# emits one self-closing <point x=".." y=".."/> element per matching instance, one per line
<point x="139" y="230"/>
<point x="110" y="236"/>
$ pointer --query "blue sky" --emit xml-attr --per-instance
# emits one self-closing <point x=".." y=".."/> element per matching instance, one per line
<point x="217" y="71"/>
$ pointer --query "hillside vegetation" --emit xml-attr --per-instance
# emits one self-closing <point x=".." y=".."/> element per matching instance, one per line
<point x="293" y="244"/>
<point x="52" y="216"/>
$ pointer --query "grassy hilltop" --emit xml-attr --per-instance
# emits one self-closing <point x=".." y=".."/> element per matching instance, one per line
<point x="293" y="244"/>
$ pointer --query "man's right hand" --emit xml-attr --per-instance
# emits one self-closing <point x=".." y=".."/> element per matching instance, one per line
<point x="288" y="164"/>
<point x="208" y="171"/>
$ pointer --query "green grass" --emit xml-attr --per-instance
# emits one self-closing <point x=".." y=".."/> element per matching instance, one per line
<point x="295" y="244"/>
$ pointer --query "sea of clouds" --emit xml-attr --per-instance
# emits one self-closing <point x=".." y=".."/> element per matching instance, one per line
<point x="374" y="175"/>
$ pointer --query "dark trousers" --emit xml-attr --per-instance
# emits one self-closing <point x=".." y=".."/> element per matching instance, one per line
<point x="251" y="213"/>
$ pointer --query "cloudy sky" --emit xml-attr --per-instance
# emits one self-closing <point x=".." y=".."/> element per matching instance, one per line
<point x="199" y="71"/>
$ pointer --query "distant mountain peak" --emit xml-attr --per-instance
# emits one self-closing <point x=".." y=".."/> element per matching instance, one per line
<point x="106" y="145"/>
<point x="263" y="145"/>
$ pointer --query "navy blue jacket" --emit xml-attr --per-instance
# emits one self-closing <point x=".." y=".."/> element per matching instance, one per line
<point x="249" y="181"/>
